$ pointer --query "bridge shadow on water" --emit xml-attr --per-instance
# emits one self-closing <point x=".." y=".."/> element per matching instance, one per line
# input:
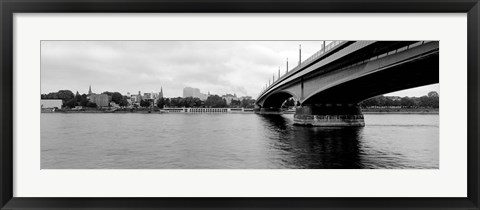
<point x="313" y="147"/>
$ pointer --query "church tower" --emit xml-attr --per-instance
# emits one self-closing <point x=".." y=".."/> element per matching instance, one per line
<point x="161" y="93"/>
<point x="89" y="90"/>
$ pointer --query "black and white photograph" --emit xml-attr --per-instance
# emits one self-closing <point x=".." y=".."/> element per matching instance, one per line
<point x="238" y="104"/>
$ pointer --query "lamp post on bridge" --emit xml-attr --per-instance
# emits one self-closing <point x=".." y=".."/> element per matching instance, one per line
<point x="287" y="66"/>
<point x="300" y="55"/>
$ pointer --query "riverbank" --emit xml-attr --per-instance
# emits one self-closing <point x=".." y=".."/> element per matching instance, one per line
<point x="157" y="111"/>
<point x="400" y="111"/>
<point x="152" y="111"/>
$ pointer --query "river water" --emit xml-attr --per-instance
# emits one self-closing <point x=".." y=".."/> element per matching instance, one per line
<point x="234" y="141"/>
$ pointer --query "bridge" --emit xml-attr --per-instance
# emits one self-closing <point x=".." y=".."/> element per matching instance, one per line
<point x="328" y="86"/>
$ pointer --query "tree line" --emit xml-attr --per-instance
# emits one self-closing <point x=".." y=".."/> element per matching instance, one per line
<point x="71" y="100"/>
<point x="213" y="101"/>
<point x="431" y="100"/>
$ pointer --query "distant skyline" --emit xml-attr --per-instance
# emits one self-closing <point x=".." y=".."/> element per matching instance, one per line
<point x="413" y="92"/>
<point x="218" y="67"/>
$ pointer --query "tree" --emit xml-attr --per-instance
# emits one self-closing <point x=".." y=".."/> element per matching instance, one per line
<point x="188" y="102"/>
<point x="83" y="101"/>
<point x="65" y="95"/>
<point x="91" y="104"/>
<point x="215" y="101"/>
<point x="235" y="103"/>
<point x="51" y="96"/>
<point x="429" y="101"/>
<point x="434" y="99"/>
<point x="433" y="94"/>
<point x="144" y="103"/>
<point x="369" y="102"/>
<point x="177" y="102"/>
<point x="161" y="103"/>
<point x="197" y="102"/>
<point x="407" y="102"/>
<point x="124" y="101"/>
<point x="71" y="103"/>
<point x="381" y="101"/>
<point x="248" y="103"/>
<point x="375" y="101"/>
<point x="78" y="97"/>
<point x="167" y="102"/>
<point x="117" y="97"/>
<point x="389" y="101"/>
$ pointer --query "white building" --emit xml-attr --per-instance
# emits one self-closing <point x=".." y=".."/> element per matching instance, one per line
<point x="51" y="103"/>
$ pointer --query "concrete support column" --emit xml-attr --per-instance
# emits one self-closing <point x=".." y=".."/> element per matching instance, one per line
<point x="324" y="115"/>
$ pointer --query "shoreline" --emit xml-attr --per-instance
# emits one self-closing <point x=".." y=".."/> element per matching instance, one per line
<point x="364" y="111"/>
<point x="401" y="111"/>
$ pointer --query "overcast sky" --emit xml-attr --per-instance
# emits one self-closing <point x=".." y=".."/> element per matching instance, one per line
<point x="220" y="67"/>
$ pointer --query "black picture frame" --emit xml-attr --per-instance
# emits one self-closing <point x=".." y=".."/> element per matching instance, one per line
<point x="9" y="7"/>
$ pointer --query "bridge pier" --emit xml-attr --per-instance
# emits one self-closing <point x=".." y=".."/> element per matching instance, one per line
<point x="268" y="111"/>
<point x="329" y="115"/>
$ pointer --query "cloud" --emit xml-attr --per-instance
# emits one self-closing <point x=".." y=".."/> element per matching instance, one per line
<point x="220" y="67"/>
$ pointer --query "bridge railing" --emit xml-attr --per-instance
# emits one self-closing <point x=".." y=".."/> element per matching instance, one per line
<point x="415" y="44"/>
<point x="306" y="62"/>
<point x="321" y="52"/>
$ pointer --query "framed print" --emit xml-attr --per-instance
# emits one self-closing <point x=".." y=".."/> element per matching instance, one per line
<point x="239" y="105"/>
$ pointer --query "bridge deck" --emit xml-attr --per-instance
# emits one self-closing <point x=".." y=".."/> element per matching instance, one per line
<point x="316" y="64"/>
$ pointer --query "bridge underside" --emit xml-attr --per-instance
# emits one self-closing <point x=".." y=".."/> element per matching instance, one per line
<point x="276" y="100"/>
<point x="332" y="99"/>
<point x="423" y="71"/>
<point x="338" y="106"/>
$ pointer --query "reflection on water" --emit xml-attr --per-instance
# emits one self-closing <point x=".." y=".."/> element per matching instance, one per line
<point x="315" y="147"/>
<point x="240" y="141"/>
